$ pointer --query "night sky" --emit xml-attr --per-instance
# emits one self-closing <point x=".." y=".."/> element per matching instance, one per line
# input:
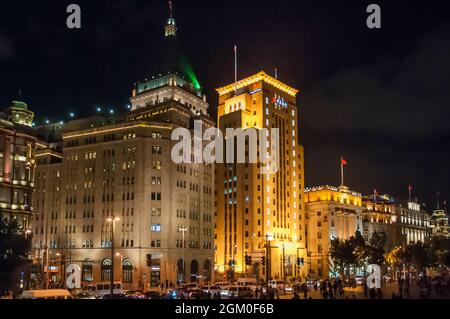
<point x="379" y="98"/>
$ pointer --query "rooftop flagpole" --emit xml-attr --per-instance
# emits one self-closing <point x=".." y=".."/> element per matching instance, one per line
<point x="343" y="162"/>
<point x="235" y="69"/>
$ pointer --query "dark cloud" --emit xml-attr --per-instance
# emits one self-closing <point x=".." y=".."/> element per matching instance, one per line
<point x="6" y="47"/>
<point x="389" y="118"/>
<point x="407" y="96"/>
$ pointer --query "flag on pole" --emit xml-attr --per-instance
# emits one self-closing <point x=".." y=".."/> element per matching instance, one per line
<point x="235" y="68"/>
<point x="343" y="163"/>
<point x="409" y="191"/>
<point x="375" y="194"/>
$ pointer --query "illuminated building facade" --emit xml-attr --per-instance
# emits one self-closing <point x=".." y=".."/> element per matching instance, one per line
<point x="254" y="210"/>
<point x="439" y="224"/>
<point x="412" y="224"/>
<point x="121" y="168"/>
<point x="330" y="212"/>
<point x="379" y="215"/>
<point x="17" y="164"/>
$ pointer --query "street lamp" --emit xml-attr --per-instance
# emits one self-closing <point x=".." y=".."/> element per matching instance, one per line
<point x="121" y="263"/>
<point x="183" y="230"/>
<point x="113" y="221"/>
<point x="269" y="238"/>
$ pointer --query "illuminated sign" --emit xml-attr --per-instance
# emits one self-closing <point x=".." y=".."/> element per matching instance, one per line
<point x="256" y="91"/>
<point x="280" y="101"/>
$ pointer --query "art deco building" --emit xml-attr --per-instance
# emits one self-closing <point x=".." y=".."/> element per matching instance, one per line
<point x="401" y="225"/>
<point x="379" y="215"/>
<point x="118" y="173"/>
<point x="330" y="212"/>
<point x="260" y="215"/>
<point x="439" y="223"/>
<point x="17" y="164"/>
<point x="412" y="224"/>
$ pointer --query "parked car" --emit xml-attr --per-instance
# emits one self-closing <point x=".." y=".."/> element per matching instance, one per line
<point x="195" y="293"/>
<point x="359" y="280"/>
<point x="115" y="296"/>
<point x="212" y="289"/>
<point x="249" y="282"/>
<point x="238" y="292"/>
<point x="82" y="294"/>
<point x="135" y="294"/>
<point x="153" y="295"/>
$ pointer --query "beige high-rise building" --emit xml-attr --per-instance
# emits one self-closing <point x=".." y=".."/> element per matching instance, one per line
<point x="117" y="172"/>
<point x="17" y="164"/>
<point x="254" y="210"/>
<point x="122" y="168"/>
<point x="330" y="212"/>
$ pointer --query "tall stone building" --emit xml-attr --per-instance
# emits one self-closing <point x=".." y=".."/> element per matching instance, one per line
<point x="17" y="164"/>
<point x="330" y="212"/>
<point x="380" y="215"/>
<point x="412" y="224"/>
<point x="259" y="217"/>
<point x="117" y="174"/>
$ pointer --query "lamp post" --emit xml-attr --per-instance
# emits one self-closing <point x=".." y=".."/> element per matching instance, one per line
<point x="268" y="239"/>
<point x="112" y="220"/>
<point x="183" y="230"/>
<point x="121" y="263"/>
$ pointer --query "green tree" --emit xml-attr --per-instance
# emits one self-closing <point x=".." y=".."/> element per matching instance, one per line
<point x="15" y="248"/>
<point x="375" y="249"/>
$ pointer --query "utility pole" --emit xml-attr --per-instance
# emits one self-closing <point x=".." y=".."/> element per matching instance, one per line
<point x="112" y="220"/>
<point x="284" y="272"/>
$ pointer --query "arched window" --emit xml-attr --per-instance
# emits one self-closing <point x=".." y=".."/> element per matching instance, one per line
<point x="194" y="270"/>
<point x="127" y="271"/>
<point x="87" y="270"/>
<point x="180" y="270"/>
<point x="207" y="269"/>
<point x="105" y="270"/>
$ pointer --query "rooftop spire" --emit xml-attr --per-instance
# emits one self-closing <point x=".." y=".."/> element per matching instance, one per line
<point x="170" y="8"/>
<point x="170" y="28"/>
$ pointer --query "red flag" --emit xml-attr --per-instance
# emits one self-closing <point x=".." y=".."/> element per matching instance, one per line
<point x="410" y="188"/>
<point x="343" y="161"/>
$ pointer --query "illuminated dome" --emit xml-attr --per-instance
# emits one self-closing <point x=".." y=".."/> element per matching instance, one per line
<point x="171" y="21"/>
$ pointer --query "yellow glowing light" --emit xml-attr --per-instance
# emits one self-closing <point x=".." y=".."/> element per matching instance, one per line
<point x="261" y="76"/>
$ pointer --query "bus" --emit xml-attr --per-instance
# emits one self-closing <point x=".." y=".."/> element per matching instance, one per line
<point x="47" y="294"/>
<point x="101" y="289"/>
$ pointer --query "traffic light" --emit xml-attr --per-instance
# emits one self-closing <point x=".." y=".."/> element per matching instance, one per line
<point x="302" y="261"/>
<point x="263" y="261"/>
<point x="149" y="260"/>
<point x="299" y="262"/>
<point x="248" y="260"/>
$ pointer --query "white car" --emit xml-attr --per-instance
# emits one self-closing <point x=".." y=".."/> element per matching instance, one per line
<point x="212" y="289"/>
<point x="359" y="280"/>
<point x="237" y="292"/>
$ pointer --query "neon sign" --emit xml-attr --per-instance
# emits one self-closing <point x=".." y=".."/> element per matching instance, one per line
<point x="280" y="101"/>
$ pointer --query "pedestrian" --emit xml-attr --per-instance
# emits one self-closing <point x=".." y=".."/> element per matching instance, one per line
<point x="365" y="291"/>
<point x="372" y="293"/>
